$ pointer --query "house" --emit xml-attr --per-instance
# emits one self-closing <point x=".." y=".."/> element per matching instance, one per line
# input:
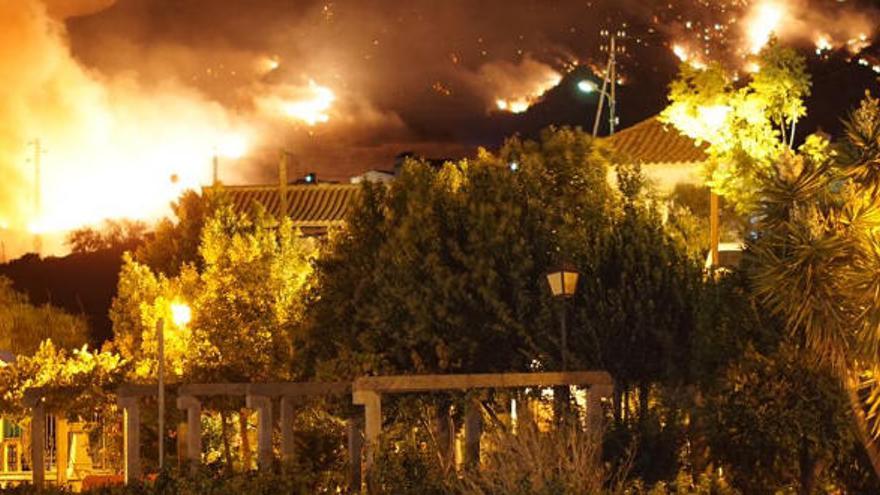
<point x="313" y="208"/>
<point x="667" y="157"/>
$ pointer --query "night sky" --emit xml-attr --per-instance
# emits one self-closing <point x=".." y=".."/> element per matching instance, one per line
<point x="423" y="75"/>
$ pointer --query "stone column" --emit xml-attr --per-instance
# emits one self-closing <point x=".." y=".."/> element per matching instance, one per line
<point x="355" y="427"/>
<point x="473" y="431"/>
<point x="38" y="440"/>
<point x="193" y="408"/>
<point x="288" y="445"/>
<point x="62" y="447"/>
<point x="263" y="406"/>
<point x="372" y="402"/>
<point x="131" y="434"/>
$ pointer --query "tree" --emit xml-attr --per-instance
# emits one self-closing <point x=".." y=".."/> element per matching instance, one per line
<point x="777" y="422"/>
<point x="246" y="288"/>
<point x="175" y="243"/>
<point x="246" y="302"/>
<point x="78" y="385"/>
<point x="745" y="127"/>
<point x="24" y="327"/>
<point x="113" y="234"/>
<point x="639" y="297"/>
<point x="444" y="271"/>
<point x="249" y="299"/>
<point x="817" y="262"/>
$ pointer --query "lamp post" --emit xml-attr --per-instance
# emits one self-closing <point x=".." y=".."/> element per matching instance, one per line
<point x="180" y="316"/>
<point x="587" y="86"/>
<point x="563" y="285"/>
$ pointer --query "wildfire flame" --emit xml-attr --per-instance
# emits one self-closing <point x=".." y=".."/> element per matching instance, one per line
<point x="86" y="147"/>
<point x="823" y="44"/>
<point x="762" y="23"/>
<point x="521" y="103"/>
<point x="310" y="105"/>
<point x="513" y="106"/>
<point x="685" y="56"/>
<point x="269" y="64"/>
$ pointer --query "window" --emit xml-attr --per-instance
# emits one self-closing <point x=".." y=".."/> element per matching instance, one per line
<point x="10" y="429"/>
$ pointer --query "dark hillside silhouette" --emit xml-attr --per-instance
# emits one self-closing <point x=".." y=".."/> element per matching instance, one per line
<point x="81" y="283"/>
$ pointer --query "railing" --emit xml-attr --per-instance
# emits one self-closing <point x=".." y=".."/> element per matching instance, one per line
<point x="366" y="392"/>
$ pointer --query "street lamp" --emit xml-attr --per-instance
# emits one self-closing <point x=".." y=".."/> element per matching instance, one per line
<point x="181" y="314"/>
<point x="587" y="86"/>
<point x="563" y="285"/>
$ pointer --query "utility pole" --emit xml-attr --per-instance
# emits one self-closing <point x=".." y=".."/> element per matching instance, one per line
<point x="282" y="183"/>
<point x="614" y="47"/>
<point x="160" y="340"/>
<point x="38" y="195"/>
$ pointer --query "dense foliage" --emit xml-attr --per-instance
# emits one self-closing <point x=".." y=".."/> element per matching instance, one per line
<point x="820" y="220"/>
<point x="245" y="302"/>
<point x="24" y="326"/>
<point x="745" y="127"/>
<point x="742" y="382"/>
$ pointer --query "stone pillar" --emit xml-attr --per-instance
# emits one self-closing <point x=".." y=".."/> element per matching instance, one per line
<point x="131" y="434"/>
<point x="372" y="403"/>
<point x="473" y="431"/>
<point x="288" y="445"/>
<point x="181" y="444"/>
<point x="263" y="406"/>
<point x="355" y="427"/>
<point x="193" y="409"/>
<point x="62" y="447"/>
<point x="38" y="441"/>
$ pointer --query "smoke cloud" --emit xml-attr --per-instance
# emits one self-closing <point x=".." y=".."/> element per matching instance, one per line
<point x="76" y="146"/>
<point x="124" y="95"/>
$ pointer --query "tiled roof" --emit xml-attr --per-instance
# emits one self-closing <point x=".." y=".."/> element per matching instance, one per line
<point x="6" y="357"/>
<point x="309" y="206"/>
<point x="651" y="141"/>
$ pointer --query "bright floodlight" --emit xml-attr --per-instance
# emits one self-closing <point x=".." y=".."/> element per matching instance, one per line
<point x="181" y="314"/>
<point x="587" y="86"/>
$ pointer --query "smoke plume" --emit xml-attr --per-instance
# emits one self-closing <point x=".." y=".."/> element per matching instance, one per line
<point x="76" y="146"/>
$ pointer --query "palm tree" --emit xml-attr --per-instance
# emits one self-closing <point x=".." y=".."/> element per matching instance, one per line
<point x="816" y="261"/>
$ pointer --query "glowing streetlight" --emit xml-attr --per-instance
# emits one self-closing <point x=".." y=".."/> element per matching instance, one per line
<point x="587" y="86"/>
<point x="563" y="285"/>
<point x="181" y="314"/>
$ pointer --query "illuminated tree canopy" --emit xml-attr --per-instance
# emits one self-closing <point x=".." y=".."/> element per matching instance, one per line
<point x="746" y="127"/>
<point x="246" y="302"/>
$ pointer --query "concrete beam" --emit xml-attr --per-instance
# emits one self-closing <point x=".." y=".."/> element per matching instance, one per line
<point x="131" y="434"/>
<point x="193" y="408"/>
<point x="473" y="432"/>
<point x="299" y="389"/>
<point x="355" y="427"/>
<point x="263" y="406"/>
<point x="427" y="383"/>
<point x="372" y="402"/>
<point x="62" y="450"/>
<point x="38" y="439"/>
<point x="288" y="415"/>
